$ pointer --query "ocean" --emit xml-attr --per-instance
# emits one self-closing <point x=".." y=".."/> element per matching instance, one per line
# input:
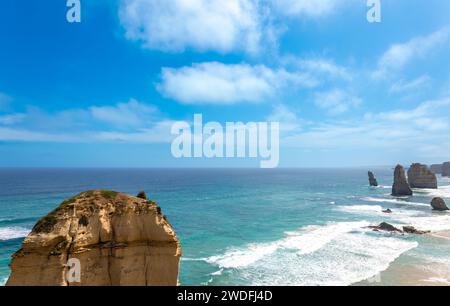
<point x="254" y="226"/>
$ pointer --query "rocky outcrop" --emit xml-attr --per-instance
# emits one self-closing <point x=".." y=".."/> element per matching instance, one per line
<point x="419" y="176"/>
<point x="414" y="231"/>
<point x="400" y="186"/>
<point x="117" y="239"/>
<point x="385" y="227"/>
<point x="446" y="169"/>
<point x="436" y="168"/>
<point x="439" y="204"/>
<point x="372" y="180"/>
<point x="142" y="195"/>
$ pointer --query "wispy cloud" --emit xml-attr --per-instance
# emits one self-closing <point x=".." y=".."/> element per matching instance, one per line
<point x="402" y="86"/>
<point x="409" y="130"/>
<point x="307" y="8"/>
<point x="399" y="55"/>
<point x="124" y="122"/>
<point x="217" y="83"/>
<point x="336" y="101"/>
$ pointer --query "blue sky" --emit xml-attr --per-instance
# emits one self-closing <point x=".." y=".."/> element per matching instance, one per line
<point x="104" y="93"/>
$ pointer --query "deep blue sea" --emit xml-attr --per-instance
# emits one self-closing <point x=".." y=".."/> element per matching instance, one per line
<point x="251" y="227"/>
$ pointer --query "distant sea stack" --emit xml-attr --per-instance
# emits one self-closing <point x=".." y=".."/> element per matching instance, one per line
<point x="400" y="186"/>
<point x="436" y="168"/>
<point x="118" y="239"/>
<point x="419" y="176"/>
<point x="372" y="180"/>
<point x="446" y="169"/>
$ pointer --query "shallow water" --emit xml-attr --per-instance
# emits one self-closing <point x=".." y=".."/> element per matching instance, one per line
<point x="251" y="227"/>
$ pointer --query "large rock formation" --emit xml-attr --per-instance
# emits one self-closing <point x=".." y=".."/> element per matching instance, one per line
<point x="439" y="204"/>
<point x="419" y="176"/>
<point x="118" y="240"/>
<point x="372" y="180"/>
<point x="446" y="169"/>
<point x="400" y="186"/>
<point x="436" y="168"/>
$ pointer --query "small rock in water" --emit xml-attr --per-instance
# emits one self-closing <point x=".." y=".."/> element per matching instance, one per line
<point x="413" y="230"/>
<point x="387" y="211"/>
<point x="385" y="227"/>
<point x="439" y="204"/>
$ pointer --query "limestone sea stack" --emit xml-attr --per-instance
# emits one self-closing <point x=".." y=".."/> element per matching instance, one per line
<point x="118" y="239"/>
<point x="446" y="169"/>
<point x="436" y="168"/>
<point x="420" y="176"/>
<point x="372" y="180"/>
<point x="438" y="204"/>
<point x="400" y="186"/>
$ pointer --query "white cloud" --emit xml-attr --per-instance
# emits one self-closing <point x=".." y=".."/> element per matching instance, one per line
<point x="402" y="85"/>
<point x="399" y="55"/>
<point x="175" y="25"/>
<point x="132" y="113"/>
<point x="11" y="119"/>
<point x="407" y="130"/>
<point x="336" y="101"/>
<point x="308" y="8"/>
<point x="217" y="83"/>
<point x="288" y="119"/>
<point x="123" y="122"/>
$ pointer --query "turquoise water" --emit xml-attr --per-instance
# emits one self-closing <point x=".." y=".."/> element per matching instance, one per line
<point x="250" y="227"/>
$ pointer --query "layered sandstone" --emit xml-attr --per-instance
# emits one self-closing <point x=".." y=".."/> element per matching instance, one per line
<point x="401" y="186"/>
<point x="117" y="238"/>
<point x="420" y="176"/>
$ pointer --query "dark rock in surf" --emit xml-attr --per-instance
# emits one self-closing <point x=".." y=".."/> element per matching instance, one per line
<point x="385" y="227"/>
<point x="387" y="211"/>
<point x="438" y="204"/>
<point x="414" y="231"/>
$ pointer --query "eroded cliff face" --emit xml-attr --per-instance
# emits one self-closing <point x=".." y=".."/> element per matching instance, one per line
<point x="420" y="176"/>
<point x="118" y="239"/>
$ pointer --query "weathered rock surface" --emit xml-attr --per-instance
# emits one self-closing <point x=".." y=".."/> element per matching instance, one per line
<point x="401" y="186"/>
<point x="372" y="180"/>
<point x="385" y="227"/>
<point x="436" y="168"/>
<point x="118" y="240"/>
<point x="419" y="176"/>
<point x="439" y="204"/>
<point x="414" y="231"/>
<point x="446" y="169"/>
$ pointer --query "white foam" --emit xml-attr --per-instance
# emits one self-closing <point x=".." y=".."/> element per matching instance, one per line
<point x="350" y="257"/>
<point x="442" y="191"/>
<point x="307" y="240"/>
<point x="393" y="201"/>
<point x="437" y="280"/>
<point x="8" y="233"/>
<point x="3" y="282"/>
